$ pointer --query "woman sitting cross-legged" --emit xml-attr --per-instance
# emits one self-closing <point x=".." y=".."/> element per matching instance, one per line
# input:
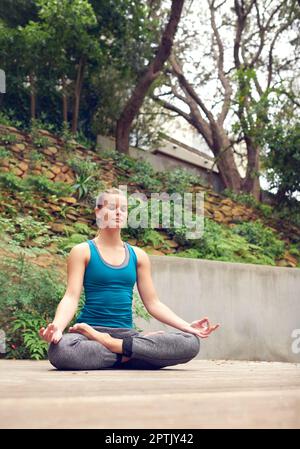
<point x="103" y="335"/>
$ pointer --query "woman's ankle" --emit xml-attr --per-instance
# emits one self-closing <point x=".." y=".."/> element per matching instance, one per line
<point x="116" y="345"/>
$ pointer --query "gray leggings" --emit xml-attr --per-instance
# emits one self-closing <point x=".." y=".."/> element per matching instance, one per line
<point x="75" y="351"/>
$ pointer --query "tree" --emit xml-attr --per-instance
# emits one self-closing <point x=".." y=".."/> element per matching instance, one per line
<point x="239" y="58"/>
<point x="151" y="73"/>
<point x="89" y="53"/>
<point x="282" y="159"/>
<point x="69" y="24"/>
<point x="18" y="12"/>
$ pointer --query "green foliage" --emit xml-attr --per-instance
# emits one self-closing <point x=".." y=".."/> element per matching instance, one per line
<point x="88" y="182"/>
<point x="42" y="184"/>
<point x="40" y="123"/>
<point x="294" y="250"/>
<point x="282" y="157"/>
<point x="248" y="200"/>
<point x="36" y="156"/>
<point x="83" y="140"/>
<point x="11" y="182"/>
<point x="144" y="175"/>
<point x="142" y="172"/>
<point x="28" y="229"/>
<point x="258" y="234"/>
<point x="29" y="325"/>
<point x="65" y="244"/>
<point x="4" y="153"/>
<point x="139" y="310"/>
<point x="28" y="300"/>
<point x="122" y="161"/>
<point x="82" y="228"/>
<point x="7" y="225"/>
<point x="238" y="244"/>
<point x="152" y="237"/>
<point x="84" y="167"/>
<point x="252" y="112"/>
<point x="8" y="138"/>
<point x="41" y="142"/>
<point x="38" y="140"/>
<point x="192" y="253"/>
<point x="7" y="120"/>
<point x="81" y="185"/>
<point x="22" y="231"/>
<point x="34" y="183"/>
<point x="289" y="209"/>
<point x="67" y="137"/>
<point x="180" y="180"/>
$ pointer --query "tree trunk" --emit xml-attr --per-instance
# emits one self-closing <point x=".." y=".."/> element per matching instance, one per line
<point x="227" y="166"/>
<point x="251" y="183"/>
<point x="32" y="96"/>
<point x="77" y="92"/>
<point x="65" y="101"/>
<point x="152" y="72"/>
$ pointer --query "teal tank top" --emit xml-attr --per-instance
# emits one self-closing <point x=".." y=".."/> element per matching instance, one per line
<point x="108" y="290"/>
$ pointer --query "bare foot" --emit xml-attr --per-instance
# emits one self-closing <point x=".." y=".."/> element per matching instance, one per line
<point x="101" y="337"/>
<point x="92" y="334"/>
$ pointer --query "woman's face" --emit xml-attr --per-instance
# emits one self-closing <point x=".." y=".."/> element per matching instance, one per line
<point x="113" y="213"/>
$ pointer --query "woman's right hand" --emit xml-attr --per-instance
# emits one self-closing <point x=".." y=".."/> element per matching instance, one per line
<point x="52" y="334"/>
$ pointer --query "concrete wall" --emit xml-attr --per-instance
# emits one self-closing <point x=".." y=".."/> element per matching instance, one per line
<point x="257" y="306"/>
<point x="172" y="158"/>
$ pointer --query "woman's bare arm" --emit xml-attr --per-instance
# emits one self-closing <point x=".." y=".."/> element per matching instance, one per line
<point x="161" y="311"/>
<point x="68" y="305"/>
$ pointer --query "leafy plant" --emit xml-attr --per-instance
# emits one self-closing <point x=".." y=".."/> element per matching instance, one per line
<point x="9" y="181"/>
<point x="28" y="301"/>
<point x="7" y="120"/>
<point x="139" y="310"/>
<point x="38" y="140"/>
<point x="193" y="253"/>
<point x="82" y="185"/>
<point x="67" y="138"/>
<point x="258" y="234"/>
<point x="29" y="325"/>
<point x="41" y="142"/>
<point x="36" y="156"/>
<point x="8" y="138"/>
<point x="28" y="229"/>
<point x="248" y="200"/>
<point x="180" y="180"/>
<point x="65" y="244"/>
<point x="153" y="237"/>
<point x="4" y="153"/>
<point x="84" y="167"/>
<point x="42" y="184"/>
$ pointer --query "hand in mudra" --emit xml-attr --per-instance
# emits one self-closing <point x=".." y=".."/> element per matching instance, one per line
<point x="201" y="328"/>
<point x="51" y="334"/>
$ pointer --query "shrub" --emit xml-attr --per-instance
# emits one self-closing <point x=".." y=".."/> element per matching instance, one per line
<point x="258" y="234"/>
<point x="27" y="301"/>
<point x="180" y="180"/>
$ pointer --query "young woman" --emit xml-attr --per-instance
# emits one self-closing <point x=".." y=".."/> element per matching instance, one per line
<point x="103" y="335"/>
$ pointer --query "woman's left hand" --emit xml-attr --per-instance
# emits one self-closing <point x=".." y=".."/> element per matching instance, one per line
<point x="202" y="328"/>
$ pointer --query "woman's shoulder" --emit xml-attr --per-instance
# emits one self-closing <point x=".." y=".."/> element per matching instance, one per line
<point x="141" y="255"/>
<point x="82" y="250"/>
